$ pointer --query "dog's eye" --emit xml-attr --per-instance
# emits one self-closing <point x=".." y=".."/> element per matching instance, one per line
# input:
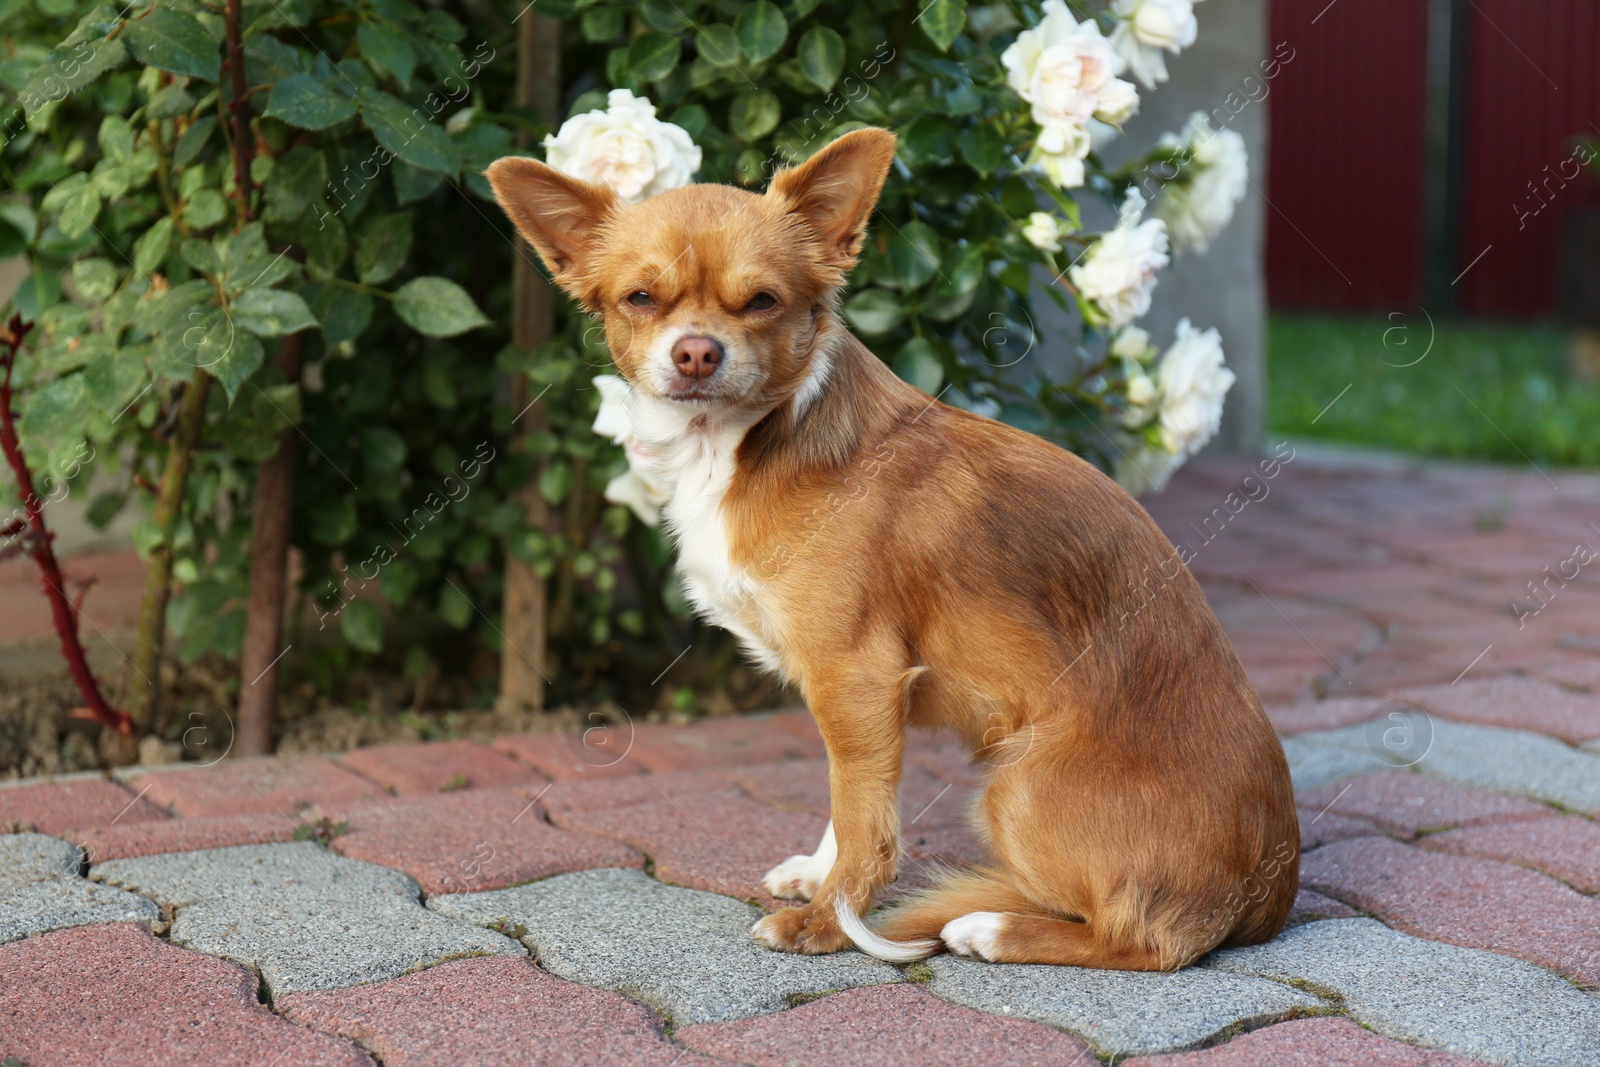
<point x="641" y="299"/>
<point x="762" y="302"/>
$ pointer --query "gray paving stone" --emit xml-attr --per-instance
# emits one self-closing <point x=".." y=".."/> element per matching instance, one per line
<point x="40" y="890"/>
<point x="686" y="953"/>
<point x="302" y="916"/>
<point x="1312" y="763"/>
<point x="1490" y="757"/>
<point x="1459" y="1000"/>
<point x="1121" y="1013"/>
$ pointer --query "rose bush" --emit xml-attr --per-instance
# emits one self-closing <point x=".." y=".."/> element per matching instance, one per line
<point x="195" y="183"/>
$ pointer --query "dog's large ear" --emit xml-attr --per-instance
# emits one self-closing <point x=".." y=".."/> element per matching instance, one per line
<point x="836" y="189"/>
<point x="557" y="214"/>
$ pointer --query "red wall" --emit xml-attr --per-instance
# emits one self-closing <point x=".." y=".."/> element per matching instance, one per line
<point x="1533" y="90"/>
<point x="1345" y="168"/>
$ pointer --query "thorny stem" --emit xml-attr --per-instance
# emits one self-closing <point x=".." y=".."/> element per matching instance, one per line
<point x="239" y="106"/>
<point x="63" y="612"/>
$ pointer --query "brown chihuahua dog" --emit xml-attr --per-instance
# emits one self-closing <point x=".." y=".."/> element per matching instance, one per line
<point x="905" y="563"/>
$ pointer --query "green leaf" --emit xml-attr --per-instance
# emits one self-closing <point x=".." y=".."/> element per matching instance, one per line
<point x="913" y="254"/>
<point x="67" y="69"/>
<point x="412" y="183"/>
<point x="296" y="182"/>
<point x="601" y="24"/>
<point x="344" y="313"/>
<point x="406" y="131"/>
<point x="874" y="311"/>
<point x="753" y="115"/>
<point x="308" y="102"/>
<point x="361" y="622"/>
<point x="383" y="250"/>
<point x="271" y="312"/>
<point x="667" y="16"/>
<point x="386" y="47"/>
<point x="953" y="292"/>
<point x="762" y="30"/>
<point x="718" y="45"/>
<point x="116" y="137"/>
<point x="193" y="140"/>
<point x="332" y="522"/>
<point x="821" y="54"/>
<point x="942" y="21"/>
<point x="555" y="481"/>
<point x="238" y="362"/>
<point x="170" y="102"/>
<point x="437" y="307"/>
<point x="326" y="246"/>
<point x="454" y="607"/>
<point x="54" y="408"/>
<point x="918" y="363"/>
<point x="983" y="147"/>
<point x="95" y="279"/>
<point x="652" y="55"/>
<point x="174" y="41"/>
<point x="382" y="450"/>
<point x="205" y="209"/>
<point x="267" y="59"/>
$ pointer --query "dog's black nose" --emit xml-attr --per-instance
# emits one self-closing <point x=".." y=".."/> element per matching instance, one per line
<point x="697" y="357"/>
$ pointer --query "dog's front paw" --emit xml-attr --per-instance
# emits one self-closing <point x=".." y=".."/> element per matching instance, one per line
<point x="797" y="878"/>
<point x="812" y="930"/>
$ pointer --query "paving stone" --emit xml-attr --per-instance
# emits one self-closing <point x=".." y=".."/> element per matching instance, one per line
<point x="686" y="953"/>
<point x="1307" y="1043"/>
<point x="1466" y="901"/>
<point x="1322" y="714"/>
<point x="1319" y="826"/>
<point x="1120" y="1013"/>
<point x="1406" y="804"/>
<point x="596" y="753"/>
<point x="40" y="890"/>
<point x="180" y="835"/>
<point x="1312" y="764"/>
<point x="720" y="743"/>
<point x="428" y="767"/>
<point x="1578" y="672"/>
<point x="720" y="842"/>
<point x="1459" y="1000"/>
<point x="491" y="1012"/>
<point x="1309" y="904"/>
<point x="579" y="796"/>
<point x="260" y="786"/>
<point x="303" y="917"/>
<point x="51" y="807"/>
<point x="1566" y="846"/>
<point x="1506" y="761"/>
<point x="474" y="840"/>
<point x="115" y="994"/>
<point x="1518" y="703"/>
<point x="900" y="1024"/>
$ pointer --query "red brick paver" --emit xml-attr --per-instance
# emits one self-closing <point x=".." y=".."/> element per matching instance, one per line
<point x="1566" y="846"/>
<point x="473" y="841"/>
<point x="1463" y="900"/>
<point x="1405" y="804"/>
<point x="437" y="767"/>
<point x="52" y="807"/>
<point x="180" y="835"/>
<point x="1520" y="703"/>
<point x="285" y="785"/>
<point x="888" y="1024"/>
<point x="491" y="1011"/>
<point x="1307" y="1043"/>
<point x="115" y="994"/>
<point x="1327" y="714"/>
<point x="720" y="743"/>
<point x="600" y="752"/>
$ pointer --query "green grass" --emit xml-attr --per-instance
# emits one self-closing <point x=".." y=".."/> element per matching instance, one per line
<point x="1481" y="392"/>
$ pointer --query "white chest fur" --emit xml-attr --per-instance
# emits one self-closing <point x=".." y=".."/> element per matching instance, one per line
<point x="693" y="449"/>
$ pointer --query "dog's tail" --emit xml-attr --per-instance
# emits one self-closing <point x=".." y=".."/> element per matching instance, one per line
<point x="1002" y="924"/>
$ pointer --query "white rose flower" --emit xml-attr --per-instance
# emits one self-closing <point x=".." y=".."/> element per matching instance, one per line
<point x="1146" y="29"/>
<point x="1118" y="273"/>
<point x="1043" y="231"/>
<point x="637" y="489"/>
<point x="1059" y="151"/>
<point x="1193" y="385"/>
<point x="625" y="147"/>
<point x="1132" y="343"/>
<point x="1142" y="468"/>
<point x="1199" y="204"/>
<point x="1141" y="389"/>
<point x="1067" y="71"/>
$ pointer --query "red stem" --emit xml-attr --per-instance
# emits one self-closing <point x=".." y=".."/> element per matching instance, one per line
<point x="62" y="611"/>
